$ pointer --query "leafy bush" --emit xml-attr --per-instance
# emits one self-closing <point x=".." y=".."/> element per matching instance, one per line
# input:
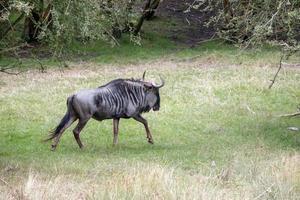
<point x="58" y="23"/>
<point x="255" y="22"/>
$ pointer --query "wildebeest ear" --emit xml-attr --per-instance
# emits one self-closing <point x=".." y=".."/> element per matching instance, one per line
<point x="144" y="74"/>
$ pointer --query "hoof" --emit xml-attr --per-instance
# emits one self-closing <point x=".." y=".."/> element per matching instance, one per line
<point x="150" y="141"/>
<point x="53" y="147"/>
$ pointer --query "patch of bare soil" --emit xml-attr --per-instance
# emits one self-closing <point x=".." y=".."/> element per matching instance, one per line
<point x="191" y="27"/>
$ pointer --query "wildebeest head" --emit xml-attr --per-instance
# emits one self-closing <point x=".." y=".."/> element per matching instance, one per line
<point x="152" y="93"/>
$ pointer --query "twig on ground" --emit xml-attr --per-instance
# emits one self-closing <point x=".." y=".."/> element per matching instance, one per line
<point x="7" y="67"/>
<point x="291" y="115"/>
<point x="3" y="181"/>
<point x="186" y="19"/>
<point x="279" y="68"/>
<point x="250" y="110"/>
<point x="8" y="72"/>
<point x="42" y="68"/>
<point x="264" y="192"/>
<point x="212" y="38"/>
<point x="291" y="64"/>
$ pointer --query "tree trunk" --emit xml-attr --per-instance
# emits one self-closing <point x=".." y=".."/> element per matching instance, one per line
<point x="154" y="4"/>
<point x="31" y="30"/>
<point x="38" y="17"/>
<point x="142" y="18"/>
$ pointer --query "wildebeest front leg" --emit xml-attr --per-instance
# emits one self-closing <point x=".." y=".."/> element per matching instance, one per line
<point x="77" y="131"/>
<point x="139" y="118"/>
<point x="116" y="130"/>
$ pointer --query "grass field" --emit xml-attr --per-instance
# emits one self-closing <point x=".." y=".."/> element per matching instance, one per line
<point x="217" y="135"/>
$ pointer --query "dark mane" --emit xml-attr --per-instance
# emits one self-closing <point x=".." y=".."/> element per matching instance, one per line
<point x="121" y="80"/>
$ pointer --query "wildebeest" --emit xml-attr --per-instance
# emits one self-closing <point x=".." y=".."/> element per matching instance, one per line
<point x="120" y="98"/>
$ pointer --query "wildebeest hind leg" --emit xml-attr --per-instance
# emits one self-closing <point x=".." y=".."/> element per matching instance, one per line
<point x="77" y="131"/>
<point x="56" y="139"/>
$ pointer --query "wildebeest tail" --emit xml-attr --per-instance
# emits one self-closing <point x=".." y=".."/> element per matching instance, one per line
<point x="63" y="121"/>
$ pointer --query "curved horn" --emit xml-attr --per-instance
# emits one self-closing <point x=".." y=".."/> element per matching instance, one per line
<point x="162" y="83"/>
<point x="144" y="74"/>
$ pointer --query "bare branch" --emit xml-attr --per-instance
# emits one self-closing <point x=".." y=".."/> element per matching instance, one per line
<point x="5" y="69"/>
<point x="8" y="72"/>
<point x="42" y="68"/>
<point x="3" y="181"/>
<point x="291" y="115"/>
<point x="12" y="26"/>
<point x="279" y="68"/>
<point x="291" y="64"/>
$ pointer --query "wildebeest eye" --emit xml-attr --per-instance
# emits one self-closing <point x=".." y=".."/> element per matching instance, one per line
<point x="148" y="89"/>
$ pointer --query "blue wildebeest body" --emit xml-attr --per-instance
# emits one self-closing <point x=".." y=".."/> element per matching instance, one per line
<point x="120" y="98"/>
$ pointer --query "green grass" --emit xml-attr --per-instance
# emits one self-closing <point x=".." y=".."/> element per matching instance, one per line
<point x="217" y="135"/>
<point x="217" y="119"/>
<point x="153" y="46"/>
<point x="210" y="113"/>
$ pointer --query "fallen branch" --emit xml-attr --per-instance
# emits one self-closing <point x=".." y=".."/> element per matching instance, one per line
<point x="3" y="181"/>
<point x="291" y="115"/>
<point x="264" y="192"/>
<point x="291" y="64"/>
<point x="42" y="68"/>
<point x="7" y="67"/>
<point x="10" y="73"/>
<point x="279" y="68"/>
<point x="212" y="38"/>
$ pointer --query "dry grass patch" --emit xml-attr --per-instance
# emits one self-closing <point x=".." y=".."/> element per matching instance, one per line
<point x="277" y="178"/>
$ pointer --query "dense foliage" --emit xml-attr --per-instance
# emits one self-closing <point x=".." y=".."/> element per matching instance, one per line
<point x="59" y="22"/>
<point x="254" y="22"/>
